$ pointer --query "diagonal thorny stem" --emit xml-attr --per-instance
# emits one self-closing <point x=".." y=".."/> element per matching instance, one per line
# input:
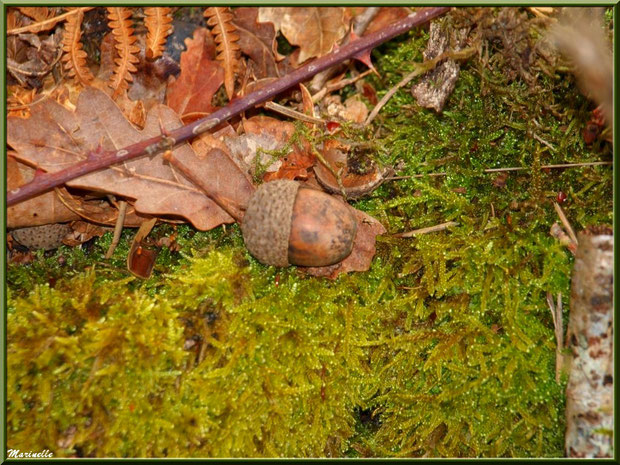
<point x="98" y="159"/>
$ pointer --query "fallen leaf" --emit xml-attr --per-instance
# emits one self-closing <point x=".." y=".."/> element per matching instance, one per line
<point x="81" y="232"/>
<point x="359" y="175"/>
<point x="99" y="211"/>
<point x="218" y="176"/>
<point x="315" y="30"/>
<point x="258" y="41"/>
<point x="200" y="77"/>
<point x="54" y="138"/>
<point x="387" y="15"/>
<point x="363" y="251"/>
<point x="141" y="259"/>
<point x="43" y="209"/>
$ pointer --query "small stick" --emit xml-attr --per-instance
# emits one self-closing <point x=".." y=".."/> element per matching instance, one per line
<point x="51" y="21"/>
<point x="438" y="227"/>
<point x="339" y="85"/>
<point x="556" y="314"/>
<point x="512" y="168"/>
<point x="118" y="228"/>
<point x="421" y="68"/>
<point x="543" y="141"/>
<point x="293" y="113"/>
<point x="557" y="232"/>
<point x="565" y="223"/>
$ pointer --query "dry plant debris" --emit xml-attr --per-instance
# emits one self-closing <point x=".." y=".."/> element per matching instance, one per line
<point x="426" y="341"/>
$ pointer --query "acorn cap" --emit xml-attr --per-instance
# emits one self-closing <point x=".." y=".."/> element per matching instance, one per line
<point x="266" y="225"/>
<point x="46" y="237"/>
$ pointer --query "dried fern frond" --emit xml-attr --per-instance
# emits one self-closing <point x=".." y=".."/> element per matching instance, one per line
<point x="74" y="57"/>
<point x="220" y="21"/>
<point x="158" y="24"/>
<point x="122" y="29"/>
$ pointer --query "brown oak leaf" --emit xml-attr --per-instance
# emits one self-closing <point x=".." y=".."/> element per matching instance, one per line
<point x="316" y="30"/>
<point x="200" y="77"/>
<point x="54" y="138"/>
<point x="43" y="209"/>
<point x="258" y="41"/>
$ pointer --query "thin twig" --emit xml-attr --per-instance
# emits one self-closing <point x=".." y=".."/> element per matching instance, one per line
<point x="118" y="228"/>
<point x="565" y="223"/>
<point x="512" y="168"/>
<point x="293" y="114"/>
<point x="557" y="232"/>
<point x="430" y="229"/>
<point x="421" y="68"/>
<point x="94" y="160"/>
<point x="556" y="315"/>
<point x="338" y="85"/>
<point x="36" y="26"/>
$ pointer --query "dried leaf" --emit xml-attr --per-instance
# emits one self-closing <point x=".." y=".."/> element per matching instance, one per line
<point x="74" y="57"/>
<point x="200" y="76"/>
<point x="226" y="37"/>
<point x="120" y="23"/>
<point x="98" y="210"/>
<point x="358" y="177"/>
<point x="258" y="41"/>
<point x="141" y="259"/>
<point x="81" y="232"/>
<point x="43" y="209"/>
<point x="387" y="15"/>
<point x="363" y="251"/>
<point x="218" y="176"/>
<point x="158" y="22"/>
<point x="54" y="138"/>
<point x="315" y="30"/>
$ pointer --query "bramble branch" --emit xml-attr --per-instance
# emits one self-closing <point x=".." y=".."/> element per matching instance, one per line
<point x="99" y="159"/>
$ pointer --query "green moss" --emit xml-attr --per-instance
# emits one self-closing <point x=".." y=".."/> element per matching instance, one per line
<point x="445" y="347"/>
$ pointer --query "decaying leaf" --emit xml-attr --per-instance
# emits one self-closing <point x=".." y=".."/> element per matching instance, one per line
<point x="141" y="259"/>
<point x="98" y="211"/>
<point x="315" y="30"/>
<point x="200" y="76"/>
<point x="258" y="41"/>
<point x="158" y="22"/>
<point x="387" y="15"/>
<point x="74" y="56"/>
<point x="82" y="231"/>
<point x="120" y="23"/>
<point x="54" y="138"/>
<point x="226" y="37"/>
<point x="43" y="209"/>
<point x="358" y="174"/>
<point x="363" y="249"/>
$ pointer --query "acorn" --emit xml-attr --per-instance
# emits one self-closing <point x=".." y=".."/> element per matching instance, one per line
<point x="288" y="224"/>
<point x="46" y="237"/>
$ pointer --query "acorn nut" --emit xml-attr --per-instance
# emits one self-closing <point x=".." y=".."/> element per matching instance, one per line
<point x="287" y="224"/>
